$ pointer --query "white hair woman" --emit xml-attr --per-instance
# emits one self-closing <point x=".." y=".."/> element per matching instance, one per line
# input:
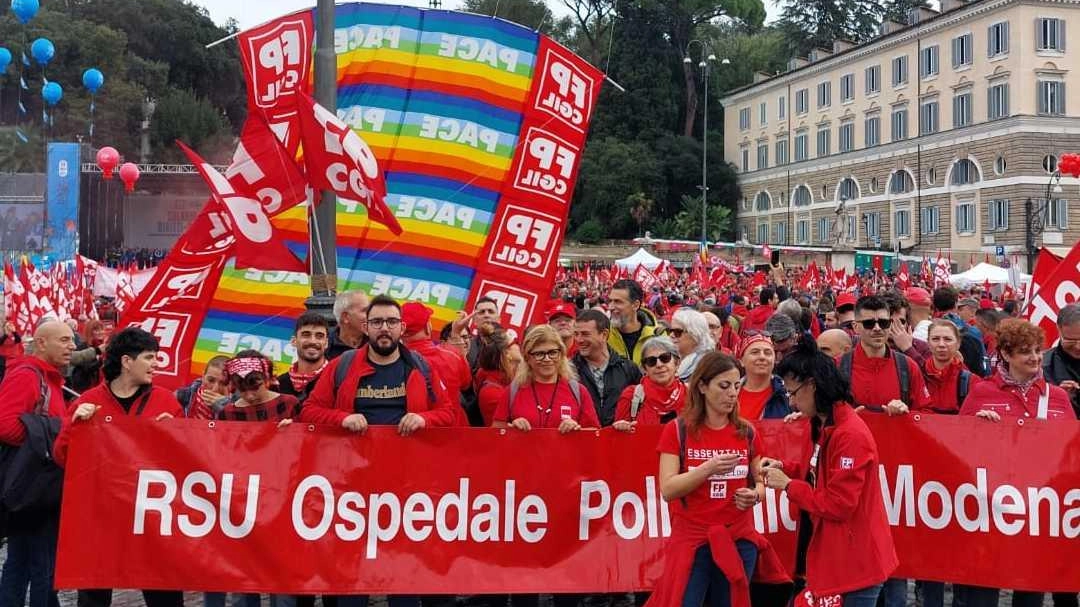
<point x="660" y="396"/>
<point x="690" y="331"/>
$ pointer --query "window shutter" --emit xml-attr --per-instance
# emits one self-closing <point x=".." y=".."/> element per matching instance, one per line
<point x="1040" y="44"/>
<point x="1063" y="214"/>
<point x="1005" y="216"/>
<point x="1061" y="34"/>
<point x="1040" y="96"/>
<point x="990" y="41"/>
<point x="1005" y="37"/>
<point x="955" y="54"/>
<point x="1004" y="100"/>
<point x="1061" y="97"/>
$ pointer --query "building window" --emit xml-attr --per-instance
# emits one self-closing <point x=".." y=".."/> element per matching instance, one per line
<point x="964" y="172"/>
<point x="852" y="228"/>
<point x="781" y="151"/>
<point x="998" y="215"/>
<point x="746" y="233"/>
<point x="997" y="105"/>
<point x="899" y="124"/>
<point x="1050" y="34"/>
<point x="744" y="118"/>
<point x="931" y="219"/>
<point x="928" y="118"/>
<point x="873" y="79"/>
<point x="1051" y="97"/>
<point x="824" y="229"/>
<point x="745" y="158"/>
<point x="763" y="155"/>
<point x="847" y="87"/>
<point x="873" y="185"/>
<point x="901" y="183"/>
<point x="929" y="64"/>
<point x="872" y="134"/>
<point x="802" y="231"/>
<point x="847" y="136"/>
<point x="873" y="226"/>
<point x="899" y="71"/>
<point x="763" y="113"/>
<point x="762" y="233"/>
<point x="802" y="101"/>
<point x="902" y="219"/>
<point x="1049" y="163"/>
<point x="824" y="191"/>
<point x="965" y="218"/>
<point x="962" y="53"/>
<point x="997" y="39"/>
<point x="802" y="146"/>
<point x="781" y="107"/>
<point x="961" y="110"/>
<point x="824" y="94"/>
<point x="931" y="176"/>
<point x="849" y="190"/>
<point x="761" y="201"/>
<point x="801" y="197"/>
<point x="823" y="141"/>
<point x="1057" y="214"/>
<point x="1000" y="165"/>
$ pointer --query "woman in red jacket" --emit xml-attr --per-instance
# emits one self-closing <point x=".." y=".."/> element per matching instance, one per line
<point x="660" y="396"/>
<point x="947" y="378"/>
<point x="709" y="463"/>
<point x="545" y="392"/>
<point x="1017" y="389"/>
<point x="497" y="362"/>
<point x="851" y="551"/>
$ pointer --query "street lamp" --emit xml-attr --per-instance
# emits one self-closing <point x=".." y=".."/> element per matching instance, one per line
<point x="707" y="58"/>
<point x="1036" y="218"/>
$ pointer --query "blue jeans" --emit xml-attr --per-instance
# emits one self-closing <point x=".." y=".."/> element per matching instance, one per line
<point x="707" y="579"/>
<point x="867" y="597"/>
<point x="31" y="561"/>
<point x="894" y="592"/>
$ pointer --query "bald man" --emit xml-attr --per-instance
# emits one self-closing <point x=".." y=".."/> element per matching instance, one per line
<point x="834" y="342"/>
<point x="34" y="384"/>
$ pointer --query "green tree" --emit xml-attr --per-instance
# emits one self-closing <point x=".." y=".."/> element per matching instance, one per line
<point x="898" y="10"/>
<point x="612" y="171"/>
<point x="686" y="225"/>
<point x="193" y="120"/>
<point x="817" y="23"/>
<point x="641" y="207"/>
<point x="533" y="14"/>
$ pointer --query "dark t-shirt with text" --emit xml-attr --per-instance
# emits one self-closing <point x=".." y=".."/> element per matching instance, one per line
<point x="380" y="396"/>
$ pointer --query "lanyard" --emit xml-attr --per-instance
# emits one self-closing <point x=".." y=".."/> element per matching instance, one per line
<point x="543" y="415"/>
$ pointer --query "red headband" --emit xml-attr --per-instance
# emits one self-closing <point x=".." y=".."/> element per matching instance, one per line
<point x="745" y="344"/>
<point x="242" y="367"/>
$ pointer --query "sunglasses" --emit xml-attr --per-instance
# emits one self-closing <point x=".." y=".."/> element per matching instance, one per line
<point x="869" y="323"/>
<point x="676" y="333"/>
<point x="650" y="361"/>
<point x="545" y="354"/>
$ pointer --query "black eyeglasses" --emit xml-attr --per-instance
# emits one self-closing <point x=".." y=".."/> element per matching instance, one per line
<point x="792" y="393"/>
<point x="545" y="354"/>
<point x="869" y="323"/>
<point x="676" y="333"/>
<point x="650" y="361"/>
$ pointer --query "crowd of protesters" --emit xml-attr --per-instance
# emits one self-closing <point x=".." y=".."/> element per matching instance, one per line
<point x="706" y="363"/>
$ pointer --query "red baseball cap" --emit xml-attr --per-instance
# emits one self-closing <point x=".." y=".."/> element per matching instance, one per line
<point x="415" y="315"/>
<point x="843" y="300"/>
<point x="918" y="296"/>
<point x="986" y="304"/>
<point x="560" y="308"/>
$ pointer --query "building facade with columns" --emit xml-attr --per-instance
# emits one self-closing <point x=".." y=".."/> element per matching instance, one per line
<point x="940" y="135"/>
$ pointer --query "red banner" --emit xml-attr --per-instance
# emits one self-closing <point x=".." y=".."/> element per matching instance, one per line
<point x="463" y="511"/>
<point x="1042" y="310"/>
<point x="518" y="263"/>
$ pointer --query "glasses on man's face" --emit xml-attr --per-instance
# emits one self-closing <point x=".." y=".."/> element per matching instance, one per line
<point x="552" y="354"/>
<point x="650" y="361"/>
<point x="389" y="323"/>
<point x="792" y="393"/>
<point x="869" y="323"/>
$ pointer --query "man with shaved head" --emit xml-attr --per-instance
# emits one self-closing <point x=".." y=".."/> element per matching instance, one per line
<point x="834" y="342"/>
<point x="34" y="385"/>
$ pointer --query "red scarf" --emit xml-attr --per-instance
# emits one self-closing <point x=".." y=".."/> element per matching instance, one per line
<point x="301" y="380"/>
<point x="664" y="399"/>
<point x="199" y="409"/>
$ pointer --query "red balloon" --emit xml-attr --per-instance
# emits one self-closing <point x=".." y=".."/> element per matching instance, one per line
<point x="107" y="159"/>
<point x="1069" y="164"/>
<point x="129" y="174"/>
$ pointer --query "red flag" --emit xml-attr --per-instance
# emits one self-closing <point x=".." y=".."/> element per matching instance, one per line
<point x="1052" y="290"/>
<point x="248" y="222"/>
<point x="338" y="160"/>
<point x="766" y="252"/>
<point x="15" y="304"/>
<point x="903" y="278"/>
<point x="809" y="278"/>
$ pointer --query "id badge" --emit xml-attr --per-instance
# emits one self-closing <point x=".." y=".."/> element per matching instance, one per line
<point x="566" y="412"/>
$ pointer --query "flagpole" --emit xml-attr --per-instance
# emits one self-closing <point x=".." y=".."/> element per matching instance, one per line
<point x="322" y="222"/>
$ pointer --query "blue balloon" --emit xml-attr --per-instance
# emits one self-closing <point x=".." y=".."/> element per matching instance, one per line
<point x="42" y="50"/>
<point x="92" y="79"/>
<point x="24" y="9"/>
<point x="51" y="93"/>
<point x="5" y="59"/>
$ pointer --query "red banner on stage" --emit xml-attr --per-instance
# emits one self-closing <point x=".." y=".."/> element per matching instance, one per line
<point x="247" y="507"/>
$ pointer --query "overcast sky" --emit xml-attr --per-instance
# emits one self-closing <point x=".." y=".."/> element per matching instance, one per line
<point x="249" y="13"/>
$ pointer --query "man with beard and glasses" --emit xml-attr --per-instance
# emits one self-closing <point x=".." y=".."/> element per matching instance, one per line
<point x="311" y="339"/>
<point x="634" y="325"/>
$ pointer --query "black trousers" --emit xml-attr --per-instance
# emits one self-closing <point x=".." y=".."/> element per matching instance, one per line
<point x="153" y="598"/>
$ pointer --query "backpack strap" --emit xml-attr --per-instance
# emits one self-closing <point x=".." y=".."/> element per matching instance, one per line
<point x="680" y="430"/>
<point x="636" y="400"/>
<point x="422" y="366"/>
<point x="575" y="389"/>
<point x="41" y="405"/>
<point x="750" y="456"/>
<point x="513" y="389"/>
<point x="142" y="401"/>
<point x="845" y="364"/>
<point x="963" y="384"/>
<point x="903" y="374"/>
<point x="342" y="369"/>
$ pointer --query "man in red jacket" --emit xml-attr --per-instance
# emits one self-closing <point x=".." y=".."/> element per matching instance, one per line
<point x="451" y="365"/>
<point x="33" y="384"/>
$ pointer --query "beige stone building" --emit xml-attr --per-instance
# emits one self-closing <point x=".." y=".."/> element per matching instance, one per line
<point x="939" y="135"/>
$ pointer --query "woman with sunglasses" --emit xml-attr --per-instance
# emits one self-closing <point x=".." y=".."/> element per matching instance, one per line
<point x="762" y="395"/>
<point x="545" y="393"/>
<point x="850" y="552"/>
<point x="709" y="465"/>
<point x="251" y="374"/>
<point x="660" y="396"/>
<point x="690" y="331"/>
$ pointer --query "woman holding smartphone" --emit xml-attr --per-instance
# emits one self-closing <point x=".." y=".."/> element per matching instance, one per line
<point x="709" y="460"/>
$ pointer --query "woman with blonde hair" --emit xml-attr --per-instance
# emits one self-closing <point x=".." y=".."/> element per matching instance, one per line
<point x="545" y="392"/>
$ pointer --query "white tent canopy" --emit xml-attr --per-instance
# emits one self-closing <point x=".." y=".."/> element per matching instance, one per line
<point x="982" y="273"/>
<point x="640" y="257"/>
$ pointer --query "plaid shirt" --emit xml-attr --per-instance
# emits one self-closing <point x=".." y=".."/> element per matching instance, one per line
<point x="282" y="407"/>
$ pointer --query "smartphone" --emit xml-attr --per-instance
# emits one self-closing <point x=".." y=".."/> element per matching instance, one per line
<point x="775" y="261"/>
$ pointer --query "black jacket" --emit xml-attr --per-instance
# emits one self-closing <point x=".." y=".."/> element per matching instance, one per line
<point x="1058" y="367"/>
<point x="620" y="373"/>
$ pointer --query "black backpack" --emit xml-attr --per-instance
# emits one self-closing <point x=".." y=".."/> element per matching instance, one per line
<point x="973" y="351"/>
<point x="901" y="373"/>
<point x="29" y="477"/>
<point x="410" y="358"/>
